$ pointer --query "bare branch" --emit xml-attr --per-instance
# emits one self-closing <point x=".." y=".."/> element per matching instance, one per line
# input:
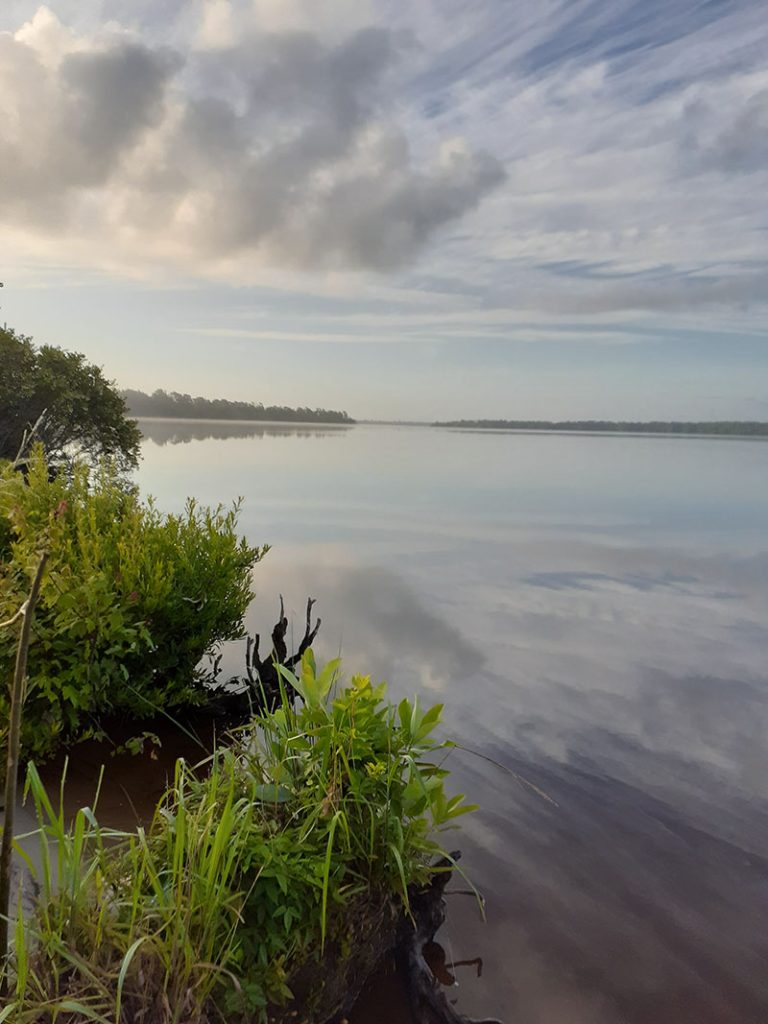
<point x="309" y="635"/>
<point x="27" y="438"/>
<point x="279" y="647"/>
<point x="16" y="617"/>
<point x="248" y="661"/>
<point x="263" y="676"/>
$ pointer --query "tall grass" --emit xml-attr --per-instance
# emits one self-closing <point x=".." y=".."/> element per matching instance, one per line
<point x="259" y="863"/>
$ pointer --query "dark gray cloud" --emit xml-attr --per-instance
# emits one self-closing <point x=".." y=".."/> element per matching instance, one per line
<point x="379" y="219"/>
<point x="69" y="129"/>
<point x="670" y="293"/>
<point x="280" y="145"/>
<point x="112" y="97"/>
<point x="735" y="144"/>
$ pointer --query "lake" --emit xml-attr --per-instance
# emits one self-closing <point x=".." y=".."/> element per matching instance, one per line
<point x="593" y="612"/>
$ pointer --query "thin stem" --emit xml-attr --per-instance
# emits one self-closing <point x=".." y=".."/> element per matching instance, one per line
<point x="27" y="439"/>
<point x="15" y="618"/>
<point x="12" y="768"/>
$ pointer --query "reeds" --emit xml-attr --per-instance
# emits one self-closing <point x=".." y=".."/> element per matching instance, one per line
<point x="258" y="863"/>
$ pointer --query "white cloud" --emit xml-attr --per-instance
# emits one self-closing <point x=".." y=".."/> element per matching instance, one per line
<point x="46" y="35"/>
<point x="217" y="29"/>
<point x="278" y="147"/>
<point x="289" y="142"/>
<point x="327" y="19"/>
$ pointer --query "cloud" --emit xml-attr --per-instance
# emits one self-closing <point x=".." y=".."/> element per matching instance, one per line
<point x="277" y="147"/>
<point x="328" y="19"/>
<point x="374" y="618"/>
<point x="627" y="132"/>
<point x="217" y="30"/>
<point x="733" y="140"/>
<point x="283" y="138"/>
<point x="70" y="118"/>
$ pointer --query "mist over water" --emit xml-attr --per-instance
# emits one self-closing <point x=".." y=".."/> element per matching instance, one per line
<point x="593" y="611"/>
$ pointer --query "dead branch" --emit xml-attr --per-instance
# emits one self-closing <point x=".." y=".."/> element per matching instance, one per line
<point x="265" y="671"/>
<point x="27" y="439"/>
<point x="263" y="680"/>
<point x="308" y="638"/>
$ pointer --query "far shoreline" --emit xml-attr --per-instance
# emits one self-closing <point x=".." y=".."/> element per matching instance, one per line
<point x="472" y="427"/>
<point x="736" y="429"/>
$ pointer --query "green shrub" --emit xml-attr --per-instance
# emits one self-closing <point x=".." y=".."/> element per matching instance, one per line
<point x="270" y="870"/>
<point x="131" y="602"/>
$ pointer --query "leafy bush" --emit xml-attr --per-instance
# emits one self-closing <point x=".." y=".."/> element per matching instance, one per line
<point x="271" y="870"/>
<point x="131" y="602"/>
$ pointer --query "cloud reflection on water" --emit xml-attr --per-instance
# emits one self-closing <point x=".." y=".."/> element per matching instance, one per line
<point x="645" y="891"/>
<point x="596" y="619"/>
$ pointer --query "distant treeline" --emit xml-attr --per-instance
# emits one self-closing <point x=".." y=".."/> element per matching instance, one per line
<point x="163" y="404"/>
<point x="734" y="427"/>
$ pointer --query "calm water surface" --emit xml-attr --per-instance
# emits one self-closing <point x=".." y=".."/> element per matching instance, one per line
<point x="594" y="613"/>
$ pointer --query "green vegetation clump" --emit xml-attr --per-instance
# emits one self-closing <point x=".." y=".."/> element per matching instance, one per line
<point x="84" y="414"/>
<point x="131" y="601"/>
<point x="162" y="405"/>
<point x="263" y="880"/>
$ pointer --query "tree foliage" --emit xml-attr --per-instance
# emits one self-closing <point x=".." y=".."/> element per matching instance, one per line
<point x="163" y="404"/>
<point x="84" y="412"/>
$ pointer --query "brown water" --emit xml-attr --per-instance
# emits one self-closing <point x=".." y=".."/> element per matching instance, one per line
<point x="593" y="611"/>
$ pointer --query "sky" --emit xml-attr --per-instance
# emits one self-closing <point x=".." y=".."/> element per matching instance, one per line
<point x="442" y="209"/>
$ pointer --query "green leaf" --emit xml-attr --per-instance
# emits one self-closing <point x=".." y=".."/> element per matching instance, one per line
<point x="124" y="966"/>
<point x="327" y="678"/>
<point x="404" y="711"/>
<point x="428" y="722"/>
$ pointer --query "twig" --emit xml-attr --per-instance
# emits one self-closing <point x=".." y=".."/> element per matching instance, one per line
<point x="15" y="618"/>
<point x="248" y="663"/>
<point x="12" y="767"/>
<point x="521" y="779"/>
<point x="309" y="636"/>
<point x="27" y="438"/>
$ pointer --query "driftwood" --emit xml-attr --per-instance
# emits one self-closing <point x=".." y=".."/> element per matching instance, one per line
<point x="428" y="1001"/>
<point x="262" y="681"/>
<point x="263" y="673"/>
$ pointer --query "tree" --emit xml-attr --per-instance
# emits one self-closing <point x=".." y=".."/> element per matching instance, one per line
<point x="84" y="412"/>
